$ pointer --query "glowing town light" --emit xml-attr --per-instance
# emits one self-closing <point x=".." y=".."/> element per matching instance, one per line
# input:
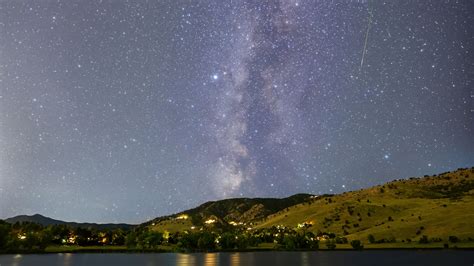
<point x="182" y="217"/>
<point x="210" y="221"/>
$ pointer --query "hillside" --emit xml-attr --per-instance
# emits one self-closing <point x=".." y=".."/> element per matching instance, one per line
<point x="437" y="206"/>
<point x="43" y="220"/>
<point x="226" y="212"/>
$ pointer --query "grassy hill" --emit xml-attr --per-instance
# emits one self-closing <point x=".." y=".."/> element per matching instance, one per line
<point x="437" y="206"/>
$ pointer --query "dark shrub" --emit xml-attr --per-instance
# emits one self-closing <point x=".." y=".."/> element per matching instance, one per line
<point x="371" y="239"/>
<point x="341" y="240"/>
<point x="356" y="244"/>
<point x="423" y="240"/>
<point x="453" y="239"/>
<point x="228" y="241"/>
<point x="206" y="241"/>
<point x="330" y="244"/>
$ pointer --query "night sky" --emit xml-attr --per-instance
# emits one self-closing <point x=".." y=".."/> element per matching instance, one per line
<point x="115" y="111"/>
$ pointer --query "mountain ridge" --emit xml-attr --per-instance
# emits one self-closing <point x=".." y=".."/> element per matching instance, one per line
<point x="236" y="210"/>
<point x="210" y="207"/>
<point x="45" y="221"/>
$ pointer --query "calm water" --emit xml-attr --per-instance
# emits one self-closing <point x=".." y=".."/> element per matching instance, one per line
<point x="337" y="258"/>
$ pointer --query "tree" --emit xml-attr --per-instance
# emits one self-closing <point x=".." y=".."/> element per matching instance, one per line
<point x="228" y="241"/>
<point x="248" y="240"/>
<point x="43" y="239"/>
<point x="341" y="240"/>
<point x="35" y="241"/>
<point x="453" y="239"/>
<point x="188" y="240"/>
<point x="206" y="241"/>
<point x="85" y="237"/>
<point x="331" y="244"/>
<point x="244" y="241"/>
<point x="131" y="240"/>
<point x="58" y="233"/>
<point x="424" y="240"/>
<point x="300" y="240"/>
<point x="174" y="238"/>
<point x="289" y="242"/>
<point x="315" y="244"/>
<point x="371" y="239"/>
<point x="4" y="235"/>
<point x="356" y="244"/>
<point x="153" y="239"/>
<point x="141" y="238"/>
<point x="118" y="237"/>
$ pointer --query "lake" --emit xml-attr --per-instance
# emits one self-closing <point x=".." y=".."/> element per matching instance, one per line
<point x="336" y="258"/>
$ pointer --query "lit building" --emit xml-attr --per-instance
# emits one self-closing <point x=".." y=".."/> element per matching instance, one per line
<point x="166" y="235"/>
<point x="182" y="217"/>
<point x="71" y="239"/>
<point x="210" y="221"/>
<point x="306" y="224"/>
<point x="236" y="223"/>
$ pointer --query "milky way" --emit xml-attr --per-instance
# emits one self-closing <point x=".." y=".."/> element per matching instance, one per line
<point x="121" y="111"/>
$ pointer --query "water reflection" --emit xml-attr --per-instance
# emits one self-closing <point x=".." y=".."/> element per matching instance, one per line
<point x="304" y="259"/>
<point x="17" y="260"/>
<point x="336" y="258"/>
<point x="211" y="259"/>
<point x="185" y="259"/>
<point x="235" y="259"/>
<point x="67" y="257"/>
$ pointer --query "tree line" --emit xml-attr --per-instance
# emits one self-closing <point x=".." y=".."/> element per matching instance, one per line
<point x="31" y="237"/>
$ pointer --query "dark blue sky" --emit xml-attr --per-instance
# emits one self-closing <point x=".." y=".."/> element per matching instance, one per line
<point x="121" y="111"/>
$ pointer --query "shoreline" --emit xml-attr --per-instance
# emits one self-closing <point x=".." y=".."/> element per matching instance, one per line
<point x="107" y="249"/>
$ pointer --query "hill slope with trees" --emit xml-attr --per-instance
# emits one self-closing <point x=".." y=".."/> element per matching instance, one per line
<point x="429" y="212"/>
<point x="435" y="206"/>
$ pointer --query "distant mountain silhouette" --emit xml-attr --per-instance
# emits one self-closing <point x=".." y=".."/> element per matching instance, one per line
<point x="43" y="220"/>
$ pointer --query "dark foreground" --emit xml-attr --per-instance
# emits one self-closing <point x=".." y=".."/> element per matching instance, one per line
<point x="335" y="258"/>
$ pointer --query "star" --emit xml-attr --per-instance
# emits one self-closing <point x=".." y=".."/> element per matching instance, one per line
<point x="249" y="98"/>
